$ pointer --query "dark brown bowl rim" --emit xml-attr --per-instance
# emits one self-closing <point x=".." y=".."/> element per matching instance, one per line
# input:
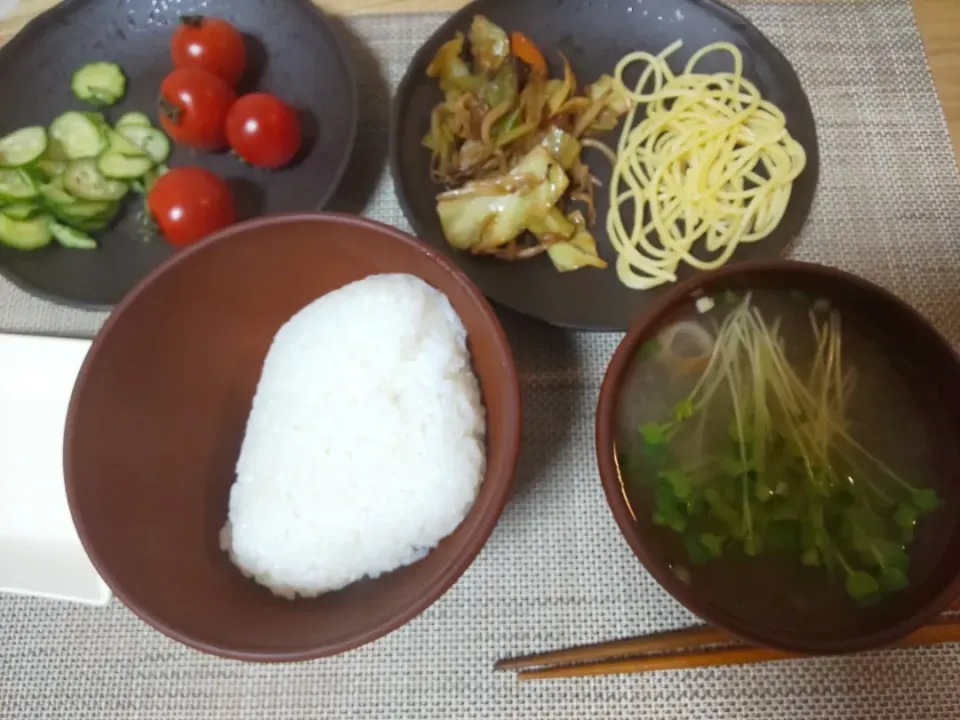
<point x="609" y="477"/>
<point x="468" y="552"/>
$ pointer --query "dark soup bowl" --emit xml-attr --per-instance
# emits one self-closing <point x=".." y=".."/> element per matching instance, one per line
<point x="159" y="413"/>
<point x="780" y="446"/>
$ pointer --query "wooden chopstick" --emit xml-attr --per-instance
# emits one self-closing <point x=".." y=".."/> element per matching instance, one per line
<point x="675" y="650"/>
<point x="692" y="637"/>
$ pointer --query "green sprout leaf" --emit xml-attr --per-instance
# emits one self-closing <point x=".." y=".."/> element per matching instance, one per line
<point x="649" y="349"/>
<point x="730" y="297"/>
<point x="696" y="551"/>
<point x="677" y="523"/>
<point x="925" y="500"/>
<point x="906" y="516"/>
<point x="735" y="467"/>
<point x="678" y="481"/>
<point x="683" y="410"/>
<point x="860" y="584"/>
<point x="762" y="491"/>
<point x="893" y="579"/>
<point x="713" y="544"/>
<point x="653" y="433"/>
<point x="658" y="455"/>
<point x="669" y="511"/>
<point x="906" y="534"/>
<point x="722" y="510"/>
<point x="810" y="557"/>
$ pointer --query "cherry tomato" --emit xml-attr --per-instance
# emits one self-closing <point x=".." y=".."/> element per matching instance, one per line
<point x="263" y="130"/>
<point x="209" y="44"/>
<point x="194" y="106"/>
<point x="189" y="203"/>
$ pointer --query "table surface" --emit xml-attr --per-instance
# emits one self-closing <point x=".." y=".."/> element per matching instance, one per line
<point x="875" y="113"/>
<point x="938" y="20"/>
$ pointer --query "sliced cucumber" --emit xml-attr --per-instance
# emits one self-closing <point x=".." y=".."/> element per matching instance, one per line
<point x="99" y="83"/>
<point x="97" y="118"/>
<point x="78" y="136"/>
<point x="116" y="165"/>
<point x="82" y="180"/>
<point x="23" y="146"/>
<point x="51" y="168"/>
<point x="145" y="184"/>
<point x="17" y="185"/>
<point x="21" y="210"/>
<point x="119" y="143"/>
<point x="101" y="123"/>
<point x="54" y="194"/>
<point x="55" y="150"/>
<point x="150" y="140"/>
<point x="91" y="224"/>
<point x="25" y="234"/>
<point x="134" y="119"/>
<point x="83" y="210"/>
<point x="68" y="237"/>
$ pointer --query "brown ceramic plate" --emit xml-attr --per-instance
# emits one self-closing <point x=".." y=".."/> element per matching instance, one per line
<point x="594" y="35"/>
<point x="158" y="415"/>
<point x="293" y="53"/>
<point x="931" y="371"/>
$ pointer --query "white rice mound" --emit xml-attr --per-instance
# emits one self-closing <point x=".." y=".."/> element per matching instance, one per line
<point x="365" y="444"/>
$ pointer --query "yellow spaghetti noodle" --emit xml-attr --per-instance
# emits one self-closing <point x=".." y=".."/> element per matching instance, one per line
<point x="711" y="161"/>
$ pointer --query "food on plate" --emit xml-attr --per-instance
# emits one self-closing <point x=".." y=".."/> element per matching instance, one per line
<point x="506" y="143"/>
<point x="23" y="147"/>
<point x="784" y="452"/>
<point x="64" y="183"/>
<point x="199" y="108"/>
<point x="703" y="163"/>
<point x="99" y="83"/>
<point x="189" y="203"/>
<point x="193" y="108"/>
<point x="210" y="44"/>
<point x="365" y="445"/>
<point x="263" y="130"/>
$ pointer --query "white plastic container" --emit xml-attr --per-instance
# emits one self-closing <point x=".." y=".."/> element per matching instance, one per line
<point x="40" y="553"/>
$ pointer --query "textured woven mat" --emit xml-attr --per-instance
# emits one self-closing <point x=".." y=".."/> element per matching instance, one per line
<point x="555" y="571"/>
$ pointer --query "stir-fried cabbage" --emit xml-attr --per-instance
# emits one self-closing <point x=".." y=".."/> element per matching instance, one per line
<point x="506" y="142"/>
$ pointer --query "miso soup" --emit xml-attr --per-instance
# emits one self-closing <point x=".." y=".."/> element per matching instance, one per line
<point x="778" y="446"/>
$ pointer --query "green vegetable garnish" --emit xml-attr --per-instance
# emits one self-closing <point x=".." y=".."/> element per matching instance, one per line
<point x="787" y="476"/>
<point x="713" y="543"/>
<point x="683" y="410"/>
<point x="649" y="349"/>
<point x="860" y="584"/>
<point x="678" y="481"/>
<point x="906" y="515"/>
<point x="925" y="500"/>
<point x="653" y="434"/>
<point x="893" y="579"/>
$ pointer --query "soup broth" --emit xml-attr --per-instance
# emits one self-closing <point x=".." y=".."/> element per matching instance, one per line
<point x="780" y="451"/>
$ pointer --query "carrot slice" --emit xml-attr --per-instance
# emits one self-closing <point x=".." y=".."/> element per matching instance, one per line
<point x="525" y="49"/>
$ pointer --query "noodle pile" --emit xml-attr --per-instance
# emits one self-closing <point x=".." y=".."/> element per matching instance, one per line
<point x="712" y="161"/>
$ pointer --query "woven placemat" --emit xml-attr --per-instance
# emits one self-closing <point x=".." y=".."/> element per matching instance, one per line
<point x="556" y="571"/>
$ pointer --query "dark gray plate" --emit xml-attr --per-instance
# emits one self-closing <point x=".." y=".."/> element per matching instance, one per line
<point x="293" y="52"/>
<point x="594" y="35"/>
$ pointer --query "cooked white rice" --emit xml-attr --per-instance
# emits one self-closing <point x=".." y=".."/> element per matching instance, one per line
<point x="365" y="444"/>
